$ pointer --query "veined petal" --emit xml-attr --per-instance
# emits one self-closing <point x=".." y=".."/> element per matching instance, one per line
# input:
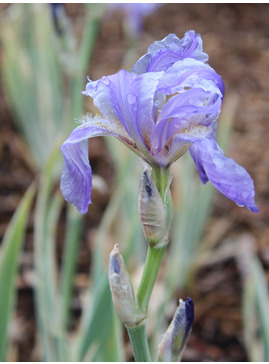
<point x="177" y="145"/>
<point x="163" y="54"/>
<point x="224" y="173"/>
<point x="183" y="111"/>
<point x="192" y="107"/>
<point x="198" y="162"/>
<point x="76" y="180"/>
<point x="130" y="99"/>
<point x="190" y="73"/>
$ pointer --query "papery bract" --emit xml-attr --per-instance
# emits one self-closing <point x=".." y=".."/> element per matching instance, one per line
<point x="174" y="340"/>
<point x="155" y="213"/>
<point x="122" y="292"/>
<point x="167" y="105"/>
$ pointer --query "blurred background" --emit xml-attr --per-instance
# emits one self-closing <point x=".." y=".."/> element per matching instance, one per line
<point x="219" y="252"/>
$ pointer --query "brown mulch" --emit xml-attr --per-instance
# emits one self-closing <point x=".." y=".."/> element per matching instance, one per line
<point x="236" y="37"/>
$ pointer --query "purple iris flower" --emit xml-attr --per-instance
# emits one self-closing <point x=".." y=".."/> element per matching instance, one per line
<point x="168" y="104"/>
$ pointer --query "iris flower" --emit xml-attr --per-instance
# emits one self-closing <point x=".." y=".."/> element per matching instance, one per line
<point x="168" y="104"/>
<point x="135" y="13"/>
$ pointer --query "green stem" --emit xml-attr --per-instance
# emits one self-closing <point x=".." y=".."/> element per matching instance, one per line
<point x="160" y="176"/>
<point x="155" y="254"/>
<point x="139" y="342"/>
<point x="137" y="334"/>
<point x="151" y="269"/>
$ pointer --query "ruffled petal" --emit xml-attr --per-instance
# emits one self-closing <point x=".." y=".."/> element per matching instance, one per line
<point x="130" y="99"/>
<point x="181" y="114"/>
<point x="179" y="143"/>
<point x="76" y="180"/>
<point x="190" y="73"/>
<point x="224" y="173"/>
<point x="163" y="54"/>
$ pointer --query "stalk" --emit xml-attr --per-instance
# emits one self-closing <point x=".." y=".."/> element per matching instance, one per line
<point x="151" y="269"/>
<point x="139" y="342"/>
<point x="154" y="257"/>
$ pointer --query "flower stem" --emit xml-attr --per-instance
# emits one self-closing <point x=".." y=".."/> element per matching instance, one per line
<point x="151" y="269"/>
<point x="138" y="338"/>
<point x="160" y="176"/>
<point x="155" y="254"/>
<point x="154" y="257"/>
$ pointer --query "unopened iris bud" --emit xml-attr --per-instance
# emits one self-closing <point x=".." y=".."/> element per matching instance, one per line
<point x="174" y="340"/>
<point x="121" y="287"/>
<point x="154" y="213"/>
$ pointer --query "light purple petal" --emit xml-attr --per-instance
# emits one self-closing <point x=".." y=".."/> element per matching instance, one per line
<point x="76" y="181"/>
<point x="177" y="145"/>
<point x="190" y="73"/>
<point x="163" y="54"/>
<point x="224" y="173"/>
<point x="130" y="99"/>
<point x="191" y="107"/>
<point x="181" y="113"/>
<point x="194" y="151"/>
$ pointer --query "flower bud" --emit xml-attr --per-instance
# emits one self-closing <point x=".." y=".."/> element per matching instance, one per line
<point x="174" y="340"/>
<point x="154" y="214"/>
<point x="123" y="296"/>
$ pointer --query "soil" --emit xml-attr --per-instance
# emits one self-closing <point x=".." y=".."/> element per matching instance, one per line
<point x="236" y="36"/>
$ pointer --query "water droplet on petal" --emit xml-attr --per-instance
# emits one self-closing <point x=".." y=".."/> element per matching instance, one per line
<point x="131" y="99"/>
<point x="239" y="205"/>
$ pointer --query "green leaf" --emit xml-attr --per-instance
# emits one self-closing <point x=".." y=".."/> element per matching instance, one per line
<point x="32" y="77"/>
<point x="96" y="321"/>
<point x="9" y="256"/>
<point x="256" y="312"/>
<point x="53" y="337"/>
<point x="71" y="247"/>
<point x="100" y="333"/>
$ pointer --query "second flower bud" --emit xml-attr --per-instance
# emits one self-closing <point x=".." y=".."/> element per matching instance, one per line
<point x="154" y="213"/>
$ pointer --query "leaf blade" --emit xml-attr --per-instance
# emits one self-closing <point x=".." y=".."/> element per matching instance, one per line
<point x="10" y="250"/>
